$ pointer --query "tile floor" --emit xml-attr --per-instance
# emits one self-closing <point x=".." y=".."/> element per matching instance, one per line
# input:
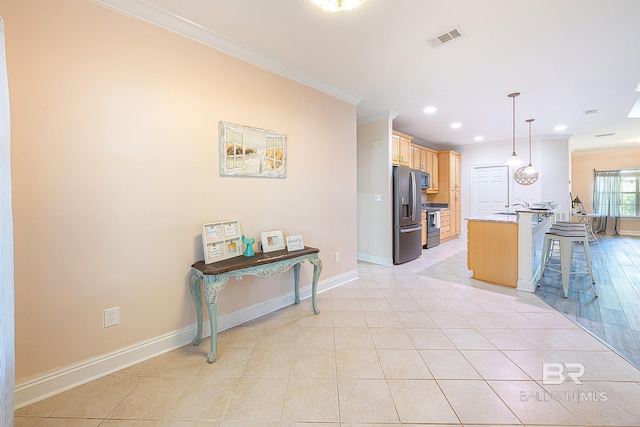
<point x="417" y="344"/>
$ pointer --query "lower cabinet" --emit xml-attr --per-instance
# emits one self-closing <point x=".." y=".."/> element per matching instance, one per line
<point x="445" y="225"/>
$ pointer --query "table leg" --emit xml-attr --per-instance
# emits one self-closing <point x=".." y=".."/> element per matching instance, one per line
<point x="196" y="283"/>
<point x="211" y="292"/>
<point x="317" y="269"/>
<point x="296" y="280"/>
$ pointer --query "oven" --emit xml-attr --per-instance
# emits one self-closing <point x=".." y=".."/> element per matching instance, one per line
<point x="433" y="228"/>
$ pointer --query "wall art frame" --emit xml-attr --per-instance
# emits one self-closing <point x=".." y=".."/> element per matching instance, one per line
<point x="246" y="151"/>
<point x="221" y="240"/>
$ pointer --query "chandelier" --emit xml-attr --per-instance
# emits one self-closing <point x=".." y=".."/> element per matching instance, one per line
<point x="337" y="5"/>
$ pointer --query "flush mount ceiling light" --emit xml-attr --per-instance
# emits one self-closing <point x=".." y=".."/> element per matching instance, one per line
<point x="456" y="125"/>
<point x="514" y="160"/>
<point x="430" y="110"/>
<point x="337" y="5"/>
<point x="560" y="128"/>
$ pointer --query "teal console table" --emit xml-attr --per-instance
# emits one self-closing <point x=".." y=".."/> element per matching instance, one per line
<point x="213" y="278"/>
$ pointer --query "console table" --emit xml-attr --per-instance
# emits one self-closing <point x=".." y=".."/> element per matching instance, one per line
<point x="213" y="278"/>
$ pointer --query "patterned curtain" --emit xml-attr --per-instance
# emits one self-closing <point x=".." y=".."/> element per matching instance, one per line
<point x="606" y="201"/>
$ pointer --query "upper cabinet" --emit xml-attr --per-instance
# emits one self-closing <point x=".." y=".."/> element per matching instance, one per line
<point x="426" y="160"/>
<point x="419" y="158"/>
<point x="401" y="149"/>
<point x="432" y="168"/>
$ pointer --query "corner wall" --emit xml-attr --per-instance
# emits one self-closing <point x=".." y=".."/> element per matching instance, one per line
<point x="115" y="167"/>
<point x="375" y="218"/>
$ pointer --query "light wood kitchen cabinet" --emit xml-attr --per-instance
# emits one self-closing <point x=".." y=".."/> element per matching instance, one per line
<point x="445" y="224"/>
<point x="449" y="186"/>
<point x="419" y="158"/>
<point x="401" y="149"/>
<point x="432" y="169"/>
<point x="493" y="251"/>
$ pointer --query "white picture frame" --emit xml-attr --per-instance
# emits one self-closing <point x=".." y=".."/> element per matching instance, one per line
<point x="295" y="243"/>
<point x="272" y="241"/>
<point x="221" y="240"/>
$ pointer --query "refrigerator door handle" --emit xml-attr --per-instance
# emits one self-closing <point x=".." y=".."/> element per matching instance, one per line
<point x="410" y="230"/>
<point x="412" y="195"/>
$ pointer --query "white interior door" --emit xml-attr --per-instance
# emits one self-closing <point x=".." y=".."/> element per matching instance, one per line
<point x="490" y="189"/>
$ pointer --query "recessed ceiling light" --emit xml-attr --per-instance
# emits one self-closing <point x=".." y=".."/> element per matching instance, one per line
<point x="430" y="110"/>
<point x="456" y="125"/>
<point x="479" y="138"/>
<point x="560" y="128"/>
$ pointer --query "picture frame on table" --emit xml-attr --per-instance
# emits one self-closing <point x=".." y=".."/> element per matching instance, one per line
<point x="221" y="240"/>
<point x="272" y="241"/>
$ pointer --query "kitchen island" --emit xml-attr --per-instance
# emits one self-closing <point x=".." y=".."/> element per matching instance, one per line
<point x="506" y="248"/>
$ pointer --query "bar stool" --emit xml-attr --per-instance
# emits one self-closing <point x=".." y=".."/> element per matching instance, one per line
<point x="566" y="238"/>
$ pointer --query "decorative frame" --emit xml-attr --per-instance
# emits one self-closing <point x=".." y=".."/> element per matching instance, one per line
<point x="221" y="240"/>
<point x="245" y="151"/>
<point x="272" y="241"/>
<point x="295" y="243"/>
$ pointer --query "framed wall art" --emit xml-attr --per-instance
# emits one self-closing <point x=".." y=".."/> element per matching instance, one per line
<point x="272" y="241"/>
<point x="221" y="240"/>
<point x="251" y="152"/>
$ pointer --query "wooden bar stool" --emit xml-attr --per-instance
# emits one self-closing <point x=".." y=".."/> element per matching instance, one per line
<point x="567" y="239"/>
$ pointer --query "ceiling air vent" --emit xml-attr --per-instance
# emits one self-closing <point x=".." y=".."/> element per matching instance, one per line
<point x="446" y="37"/>
<point x="605" y="134"/>
<point x="590" y="112"/>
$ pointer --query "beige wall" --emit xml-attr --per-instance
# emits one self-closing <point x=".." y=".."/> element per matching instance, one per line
<point x="115" y="168"/>
<point x="582" y="166"/>
<point x="375" y="218"/>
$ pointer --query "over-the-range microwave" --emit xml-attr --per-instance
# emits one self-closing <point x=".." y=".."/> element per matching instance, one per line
<point x="425" y="180"/>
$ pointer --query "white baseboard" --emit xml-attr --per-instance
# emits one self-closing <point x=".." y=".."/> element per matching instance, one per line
<point x="98" y="367"/>
<point x="374" y="259"/>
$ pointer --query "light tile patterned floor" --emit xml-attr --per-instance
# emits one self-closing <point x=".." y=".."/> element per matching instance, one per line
<point x="421" y="343"/>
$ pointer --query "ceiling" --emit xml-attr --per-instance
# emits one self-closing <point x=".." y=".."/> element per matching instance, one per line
<point x="565" y="57"/>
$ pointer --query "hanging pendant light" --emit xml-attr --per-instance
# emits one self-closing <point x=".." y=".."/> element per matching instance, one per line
<point x="530" y="170"/>
<point x="337" y="5"/>
<point x="514" y="160"/>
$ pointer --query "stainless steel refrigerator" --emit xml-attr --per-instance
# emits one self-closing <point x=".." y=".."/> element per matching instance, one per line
<point x="407" y="227"/>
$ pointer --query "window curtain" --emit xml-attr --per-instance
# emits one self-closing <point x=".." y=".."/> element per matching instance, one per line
<point x="606" y="201"/>
<point x="7" y="349"/>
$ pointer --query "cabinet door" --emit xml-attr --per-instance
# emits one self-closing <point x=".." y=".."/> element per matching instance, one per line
<point x="395" y="150"/>
<point x="454" y="171"/>
<point x="432" y="168"/>
<point x="454" y="206"/>
<point x="416" y="152"/>
<point x="405" y="151"/>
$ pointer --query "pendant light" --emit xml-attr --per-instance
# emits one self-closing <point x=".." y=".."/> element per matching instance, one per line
<point x="514" y="160"/>
<point x="530" y="170"/>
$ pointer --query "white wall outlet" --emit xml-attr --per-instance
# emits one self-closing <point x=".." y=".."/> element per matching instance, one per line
<point x="111" y="316"/>
<point x="337" y="256"/>
<point x="377" y="197"/>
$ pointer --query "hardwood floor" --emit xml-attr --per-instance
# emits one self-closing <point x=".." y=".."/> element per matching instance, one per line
<point x="614" y="316"/>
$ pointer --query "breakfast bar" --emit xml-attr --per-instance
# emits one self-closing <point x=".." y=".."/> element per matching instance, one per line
<point x="506" y="248"/>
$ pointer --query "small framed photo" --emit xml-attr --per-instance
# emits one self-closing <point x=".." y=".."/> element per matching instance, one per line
<point x="272" y="241"/>
<point x="294" y="243"/>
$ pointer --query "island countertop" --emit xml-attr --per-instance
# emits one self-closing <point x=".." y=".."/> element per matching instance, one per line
<point x="507" y="216"/>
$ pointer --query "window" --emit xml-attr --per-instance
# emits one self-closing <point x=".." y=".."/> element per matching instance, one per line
<point x="630" y="193"/>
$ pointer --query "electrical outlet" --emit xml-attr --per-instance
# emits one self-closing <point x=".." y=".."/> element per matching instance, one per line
<point x="111" y="316"/>
<point x="337" y="256"/>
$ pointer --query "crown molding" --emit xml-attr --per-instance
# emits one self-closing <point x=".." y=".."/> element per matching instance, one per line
<point x="172" y="22"/>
